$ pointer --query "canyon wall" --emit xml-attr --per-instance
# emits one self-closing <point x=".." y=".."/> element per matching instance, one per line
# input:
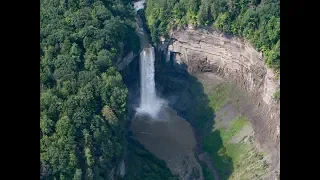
<point x="236" y="61"/>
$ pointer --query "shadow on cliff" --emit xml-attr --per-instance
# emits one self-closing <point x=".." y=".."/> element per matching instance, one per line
<point x="186" y="95"/>
<point x="131" y="78"/>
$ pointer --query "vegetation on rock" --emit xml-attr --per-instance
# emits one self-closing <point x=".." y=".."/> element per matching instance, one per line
<point x="233" y="160"/>
<point x="255" y="20"/>
<point x="276" y="95"/>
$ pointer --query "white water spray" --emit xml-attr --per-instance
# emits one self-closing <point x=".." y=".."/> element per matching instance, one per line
<point x="139" y="4"/>
<point x="149" y="102"/>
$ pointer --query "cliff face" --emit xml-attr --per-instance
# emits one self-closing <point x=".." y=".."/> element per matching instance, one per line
<point x="240" y="63"/>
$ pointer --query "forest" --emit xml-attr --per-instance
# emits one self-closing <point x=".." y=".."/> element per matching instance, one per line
<point x="82" y="96"/>
<point x="257" y="21"/>
<point x="83" y="100"/>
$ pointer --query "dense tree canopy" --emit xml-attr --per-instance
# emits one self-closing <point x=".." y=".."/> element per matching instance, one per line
<point x="82" y="96"/>
<point x="256" y="20"/>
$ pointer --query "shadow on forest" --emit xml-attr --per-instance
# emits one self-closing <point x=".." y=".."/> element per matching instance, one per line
<point x="186" y="95"/>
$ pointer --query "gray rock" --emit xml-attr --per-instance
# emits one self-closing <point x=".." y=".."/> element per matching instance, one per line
<point x="239" y="62"/>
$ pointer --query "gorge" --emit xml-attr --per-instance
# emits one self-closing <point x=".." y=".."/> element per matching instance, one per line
<point x="233" y="78"/>
<point x="158" y="127"/>
<point x="160" y="90"/>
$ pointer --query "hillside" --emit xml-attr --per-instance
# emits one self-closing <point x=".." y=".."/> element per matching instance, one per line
<point x="258" y="21"/>
<point x="82" y="96"/>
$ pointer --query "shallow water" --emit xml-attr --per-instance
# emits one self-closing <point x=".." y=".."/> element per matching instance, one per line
<point x="170" y="138"/>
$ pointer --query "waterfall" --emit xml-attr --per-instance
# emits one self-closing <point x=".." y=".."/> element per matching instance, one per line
<point x="139" y="4"/>
<point x="149" y="102"/>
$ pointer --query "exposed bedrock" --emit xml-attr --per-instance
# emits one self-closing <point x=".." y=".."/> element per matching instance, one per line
<point x="238" y="62"/>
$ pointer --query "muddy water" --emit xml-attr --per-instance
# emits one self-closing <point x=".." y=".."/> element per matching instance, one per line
<point x="170" y="138"/>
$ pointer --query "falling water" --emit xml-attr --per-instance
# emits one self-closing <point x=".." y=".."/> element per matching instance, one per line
<point x="149" y="102"/>
<point x="155" y="125"/>
<point x="139" y="4"/>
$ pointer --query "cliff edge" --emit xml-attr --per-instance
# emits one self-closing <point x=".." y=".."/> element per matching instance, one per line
<point x="238" y="62"/>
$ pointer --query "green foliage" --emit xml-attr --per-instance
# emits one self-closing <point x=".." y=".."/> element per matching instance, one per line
<point x="276" y="95"/>
<point x="207" y="173"/>
<point x="77" y="175"/>
<point x="220" y="96"/>
<point x="204" y="15"/>
<point x="83" y="98"/>
<point x="214" y="146"/>
<point x="235" y="127"/>
<point x="243" y="158"/>
<point x="143" y="165"/>
<point x="257" y="21"/>
<point x="233" y="160"/>
<point x="223" y="22"/>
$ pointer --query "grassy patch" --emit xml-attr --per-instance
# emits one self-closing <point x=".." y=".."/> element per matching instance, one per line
<point x="199" y="112"/>
<point x="219" y="96"/>
<point x="218" y="152"/>
<point x="276" y="95"/>
<point x="231" y="160"/>
<point x="234" y="160"/>
<point x="216" y="144"/>
<point x="235" y="127"/>
<point x="248" y="163"/>
<point x="205" y="102"/>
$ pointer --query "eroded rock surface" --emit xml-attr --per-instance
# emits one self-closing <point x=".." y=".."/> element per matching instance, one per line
<point x="237" y="62"/>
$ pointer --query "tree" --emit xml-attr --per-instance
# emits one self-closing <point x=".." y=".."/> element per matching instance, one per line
<point x="257" y="21"/>
<point x="109" y="115"/>
<point x="103" y="61"/>
<point x="46" y="125"/>
<point x="78" y="42"/>
<point x="77" y="175"/>
<point x="204" y="14"/>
